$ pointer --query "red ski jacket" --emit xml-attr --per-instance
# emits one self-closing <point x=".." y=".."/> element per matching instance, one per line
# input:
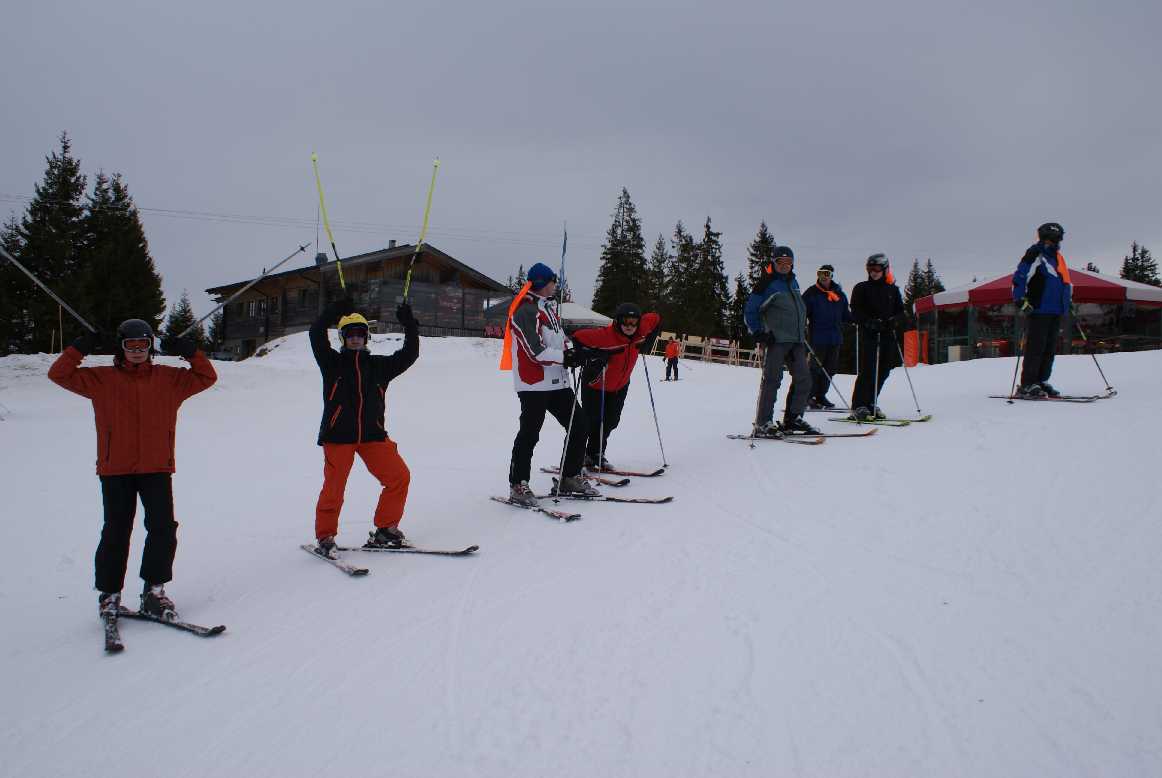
<point x="135" y="406"/>
<point x="611" y="338"/>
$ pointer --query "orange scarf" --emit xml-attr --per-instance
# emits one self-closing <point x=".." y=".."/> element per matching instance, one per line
<point x="506" y="351"/>
<point x="1063" y="269"/>
<point x="832" y="297"/>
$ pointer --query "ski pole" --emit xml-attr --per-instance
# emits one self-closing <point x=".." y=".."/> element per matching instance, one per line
<point x="1077" y="323"/>
<point x="1016" y="367"/>
<point x="830" y="382"/>
<point x="601" y="422"/>
<point x="47" y="291"/>
<point x="568" y="435"/>
<point x="904" y="362"/>
<point x="407" y="283"/>
<point x="754" y="424"/>
<point x="234" y="296"/>
<point x="876" y="385"/>
<point x="654" y="408"/>
<point x="326" y="221"/>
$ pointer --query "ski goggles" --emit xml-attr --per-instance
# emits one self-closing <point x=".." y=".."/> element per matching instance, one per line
<point x="630" y="322"/>
<point x="823" y="273"/>
<point x="355" y="331"/>
<point x="137" y="345"/>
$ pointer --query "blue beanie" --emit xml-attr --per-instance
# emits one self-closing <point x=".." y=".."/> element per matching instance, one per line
<point x="540" y="274"/>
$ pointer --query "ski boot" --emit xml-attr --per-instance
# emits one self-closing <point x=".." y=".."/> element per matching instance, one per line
<point x="797" y="425"/>
<point x="861" y="414"/>
<point x="154" y="602"/>
<point x="1032" y="392"/>
<point x="878" y="413"/>
<point x="521" y="494"/>
<point x="326" y="547"/>
<point x="1049" y="390"/>
<point x="597" y="464"/>
<point x="824" y="403"/>
<point x="385" y="537"/>
<point x="768" y="430"/>
<point x="108" y="603"/>
<point x="575" y="484"/>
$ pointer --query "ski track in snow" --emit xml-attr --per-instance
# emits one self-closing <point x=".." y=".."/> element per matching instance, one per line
<point x="974" y="596"/>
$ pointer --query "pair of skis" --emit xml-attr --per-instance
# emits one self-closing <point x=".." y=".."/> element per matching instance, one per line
<point x="112" y="627"/>
<point x="806" y="438"/>
<point x="883" y="422"/>
<point x="1065" y="398"/>
<point x="356" y="571"/>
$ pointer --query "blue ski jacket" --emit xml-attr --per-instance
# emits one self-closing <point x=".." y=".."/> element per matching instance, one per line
<point x="1042" y="277"/>
<point x="826" y="316"/>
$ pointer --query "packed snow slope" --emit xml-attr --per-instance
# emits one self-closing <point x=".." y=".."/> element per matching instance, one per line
<point x="975" y="596"/>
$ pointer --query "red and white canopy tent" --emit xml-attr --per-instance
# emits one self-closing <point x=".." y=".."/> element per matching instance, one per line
<point x="1088" y="287"/>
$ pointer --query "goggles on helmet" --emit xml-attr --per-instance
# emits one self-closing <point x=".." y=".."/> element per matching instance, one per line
<point x="630" y="321"/>
<point x="355" y="330"/>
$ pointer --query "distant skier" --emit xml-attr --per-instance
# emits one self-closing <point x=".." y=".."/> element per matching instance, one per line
<point x="877" y="309"/>
<point x="827" y="310"/>
<point x="605" y="388"/>
<point x="673" y="350"/>
<point x="777" y="318"/>
<point x="354" y="404"/>
<point x="135" y="403"/>
<point x="1042" y="289"/>
<point x="539" y="355"/>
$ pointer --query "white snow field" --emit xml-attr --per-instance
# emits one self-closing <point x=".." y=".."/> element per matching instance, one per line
<point x="975" y="596"/>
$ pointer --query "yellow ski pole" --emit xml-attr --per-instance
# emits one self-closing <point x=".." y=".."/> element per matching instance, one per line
<point x="407" y="284"/>
<point x="326" y="221"/>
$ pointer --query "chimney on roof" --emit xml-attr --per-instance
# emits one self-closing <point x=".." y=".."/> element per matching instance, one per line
<point x="391" y="244"/>
<point x="320" y="258"/>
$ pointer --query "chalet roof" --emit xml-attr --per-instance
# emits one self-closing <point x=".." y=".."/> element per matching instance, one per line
<point x="429" y="255"/>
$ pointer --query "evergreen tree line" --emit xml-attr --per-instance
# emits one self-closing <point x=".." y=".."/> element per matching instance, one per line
<point x="90" y="248"/>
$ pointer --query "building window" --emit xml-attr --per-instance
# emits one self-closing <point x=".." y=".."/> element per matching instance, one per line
<point x="251" y="309"/>
<point x="274" y="306"/>
<point x="303" y="298"/>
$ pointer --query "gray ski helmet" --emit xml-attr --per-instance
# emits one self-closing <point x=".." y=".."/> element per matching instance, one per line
<point x="134" y="328"/>
<point x="878" y="260"/>
<point x="1051" y="231"/>
<point x="783" y="251"/>
<point x="627" y="311"/>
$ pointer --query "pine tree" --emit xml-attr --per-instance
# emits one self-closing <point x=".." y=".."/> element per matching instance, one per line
<point x="678" y="273"/>
<point x="760" y="251"/>
<point x="49" y="240"/>
<point x="915" y="287"/>
<point x="1140" y="266"/>
<point x="736" y="326"/>
<point x="15" y="289"/>
<point x="932" y="282"/>
<point x="622" y="275"/>
<point x="657" y="291"/>
<point x="707" y="294"/>
<point x="181" y="317"/>
<point x="217" y="332"/>
<point x="120" y="281"/>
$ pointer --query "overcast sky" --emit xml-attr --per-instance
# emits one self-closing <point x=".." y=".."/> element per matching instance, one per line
<point x="920" y="129"/>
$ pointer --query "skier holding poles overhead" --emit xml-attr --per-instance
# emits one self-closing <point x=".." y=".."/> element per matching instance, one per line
<point x="354" y="403"/>
<point x="877" y="308"/>
<point x="135" y="403"/>
<point x="604" y="391"/>
<point x="538" y="353"/>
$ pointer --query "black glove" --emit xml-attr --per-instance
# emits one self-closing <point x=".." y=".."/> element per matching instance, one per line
<point x="583" y="355"/>
<point x="404" y="315"/>
<point x="179" y="347"/>
<point x="86" y="342"/>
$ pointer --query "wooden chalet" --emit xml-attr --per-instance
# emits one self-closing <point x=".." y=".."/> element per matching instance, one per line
<point x="448" y="297"/>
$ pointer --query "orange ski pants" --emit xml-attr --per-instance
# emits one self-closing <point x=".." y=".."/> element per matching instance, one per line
<point x="383" y="462"/>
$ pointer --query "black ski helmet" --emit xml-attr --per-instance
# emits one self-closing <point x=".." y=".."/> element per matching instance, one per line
<point x="1051" y="231"/>
<point x="627" y="311"/>
<point x="878" y="260"/>
<point x="132" y="329"/>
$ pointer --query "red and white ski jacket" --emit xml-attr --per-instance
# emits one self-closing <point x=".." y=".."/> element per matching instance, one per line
<point x="617" y="373"/>
<point x="538" y="346"/>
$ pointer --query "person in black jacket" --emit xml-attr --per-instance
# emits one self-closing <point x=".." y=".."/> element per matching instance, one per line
<point x="354" y="401"/>
<point x="877" y="308"/>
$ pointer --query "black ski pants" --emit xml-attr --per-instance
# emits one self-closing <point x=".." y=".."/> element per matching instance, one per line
<point x="829" y="356"/>
<point x="1042" y="331"/>
<point x="119" y="493"/>
<point x="603" y="409"/>
<point x="793" y="356"/>
<point x="533" y="407"/>
<point x="867" y="390"/>
<point x="672" y="365"/>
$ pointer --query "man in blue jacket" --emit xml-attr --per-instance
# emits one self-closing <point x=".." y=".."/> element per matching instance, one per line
<point x="777" y="318"/>
<point x="1042" y="289"/>
<point x="826" y="312"/>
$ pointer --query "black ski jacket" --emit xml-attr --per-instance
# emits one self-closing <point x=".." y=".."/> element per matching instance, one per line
<point x="877" y="306"/>
<point x="355" y="386"/>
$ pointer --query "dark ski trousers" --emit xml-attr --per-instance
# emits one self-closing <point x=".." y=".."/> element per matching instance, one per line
<point x="672" y="364"/>
<point x="794" y="357"/>
<point x="867" y="391"/>
<point x="533" y="407"/>
<point x="1042" y="330"/>
<point x="829" y="356"/>
<point x="119" y="494"/>
<point x="603" y="419"/>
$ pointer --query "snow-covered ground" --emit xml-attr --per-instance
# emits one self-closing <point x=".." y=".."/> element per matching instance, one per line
<point x="976" y="596"/>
